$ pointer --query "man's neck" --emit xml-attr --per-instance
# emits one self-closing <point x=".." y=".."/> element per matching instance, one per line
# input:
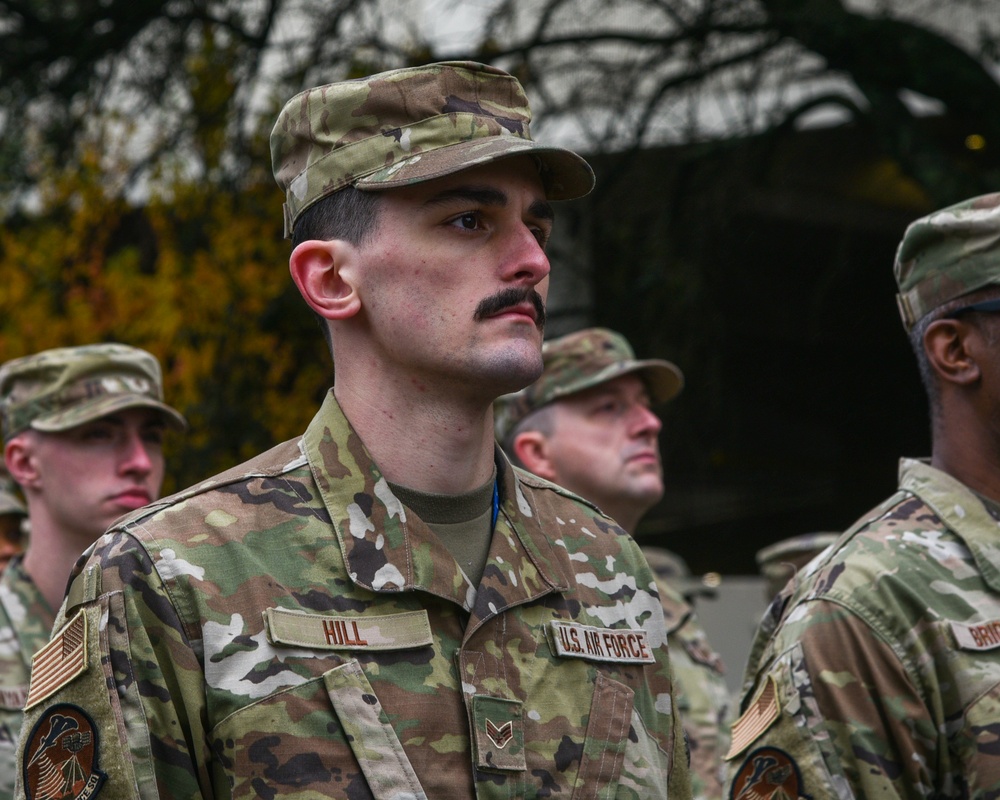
<point x="50" y="559"/>
<point x="426" y="443"/>
<point x="970" y="454"/>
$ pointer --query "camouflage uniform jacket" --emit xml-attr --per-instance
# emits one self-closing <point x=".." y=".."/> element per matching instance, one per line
<point x="290" y="629"/>
<point x="25" y="624"/>
<point x="877" y="673"/>
<point x="703" y="700"/>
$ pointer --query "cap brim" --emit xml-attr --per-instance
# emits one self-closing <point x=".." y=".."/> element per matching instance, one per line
<point x="663" y="379"/>
<point x="565" y="175"/>
<point x="101" y="407"/>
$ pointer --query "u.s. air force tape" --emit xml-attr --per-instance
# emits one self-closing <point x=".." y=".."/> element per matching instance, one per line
<point x="401" y="631"/>
<point x="624" y="646"/>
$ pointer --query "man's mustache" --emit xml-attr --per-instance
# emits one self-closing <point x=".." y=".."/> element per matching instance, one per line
<point x="508" y="298"/>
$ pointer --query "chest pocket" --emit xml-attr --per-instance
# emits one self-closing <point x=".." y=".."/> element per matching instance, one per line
<point x="327" y="732"/>
<point x="974" y="670"/>
<point x="607" y="736"/>
<point x="290" y="741"/>
<point x="572" y="704"/>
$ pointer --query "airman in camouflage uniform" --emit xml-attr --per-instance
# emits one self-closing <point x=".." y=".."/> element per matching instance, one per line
<point x="82" y="429"/>
<point x="12" y="514"/>
<point x="876" y="672"/>
<point x="309" y="624"/>
<point x="586" y="424"/>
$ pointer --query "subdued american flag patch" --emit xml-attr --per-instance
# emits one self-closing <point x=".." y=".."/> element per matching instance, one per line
<point x="761" y="714"/>
<point x="58" y="662"/>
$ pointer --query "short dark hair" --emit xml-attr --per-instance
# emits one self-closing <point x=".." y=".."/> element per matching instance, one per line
<point x="927" y="376"/>
<point x="349" y="214"/>
<point x="541" y="420"/>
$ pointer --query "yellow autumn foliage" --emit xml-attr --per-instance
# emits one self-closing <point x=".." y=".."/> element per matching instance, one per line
<point x="198" y="277"/>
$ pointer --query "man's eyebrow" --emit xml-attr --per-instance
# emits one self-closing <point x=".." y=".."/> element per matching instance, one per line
<point x="483" y="195"/>
<point x="487" y="196"/>
<point x="542" y="209"/>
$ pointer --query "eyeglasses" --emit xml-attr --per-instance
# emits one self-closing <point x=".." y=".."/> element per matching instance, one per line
<point x="986" y="305"/>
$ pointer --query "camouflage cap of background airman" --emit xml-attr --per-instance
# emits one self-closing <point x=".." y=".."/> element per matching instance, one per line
<point x="58" y="389"/>
<point x="778" y="562"/>
<point x="947" y="254"/>
<point x="579" y="361"/>
<point x="406" y="126"/>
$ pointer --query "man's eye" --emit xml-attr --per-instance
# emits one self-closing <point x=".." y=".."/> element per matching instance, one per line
<point x="469" y="221"/>
<point x="154" y="437"/>
<point x="541" y="235"/>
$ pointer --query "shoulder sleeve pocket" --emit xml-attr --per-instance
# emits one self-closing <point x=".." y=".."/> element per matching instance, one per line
<point x="73" y="738"/>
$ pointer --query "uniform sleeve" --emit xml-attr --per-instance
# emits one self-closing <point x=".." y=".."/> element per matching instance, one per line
<point x="834" y="714"/>
<point x="116" y="699"/>
<point x="703" y="701"/>
<point x="703" y="706"/>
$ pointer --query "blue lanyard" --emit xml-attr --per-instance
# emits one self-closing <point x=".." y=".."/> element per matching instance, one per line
<point x="496" y="504"/>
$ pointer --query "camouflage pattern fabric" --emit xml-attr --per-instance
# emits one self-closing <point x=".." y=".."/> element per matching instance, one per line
<point x="778" y="562"/>
<point x="64" y="387"/>
<point x="409" y="125"/>
<point x="25" y="624"/>
<point x="703" y="700"/>
<point x="876" y="673"/>
<point x="947" y="254"/>
<point x="290" y="629"/>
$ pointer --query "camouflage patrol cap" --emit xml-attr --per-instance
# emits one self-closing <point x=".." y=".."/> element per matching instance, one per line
<point x="778" y="562"/>
<point x="947" y="254"/>
<point x="406" y="126"/>
<point x="58" y="389"/>
<point x="579" y="361"/>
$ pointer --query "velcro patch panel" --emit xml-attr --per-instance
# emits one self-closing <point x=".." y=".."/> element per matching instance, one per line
<point x="58" y="662"/>
<point x="977" y="636"/>
<point x="404" y="631"/>
<point x="620" y="645"/>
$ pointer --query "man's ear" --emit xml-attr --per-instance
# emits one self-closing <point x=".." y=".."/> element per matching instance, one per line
<point x="19" y="457"/>
<point x="322" y="272"/>
<point x="532" y="449"/>
<point x="951" y="346"/>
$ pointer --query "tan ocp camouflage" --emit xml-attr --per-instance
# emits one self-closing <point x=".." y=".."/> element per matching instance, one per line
<point x="58" y="389"/>
<point x="406" y="126"/>
<point x="947" y="254"/>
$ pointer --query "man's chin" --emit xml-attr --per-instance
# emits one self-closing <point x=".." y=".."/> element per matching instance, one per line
<point x="648" y="491"/>
<point x="514" y="369"/>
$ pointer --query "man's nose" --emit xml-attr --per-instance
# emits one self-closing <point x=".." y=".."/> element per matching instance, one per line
<point x="136" y="456"/>
<point x="644" y="422"/>
<point x="526" y="261"/>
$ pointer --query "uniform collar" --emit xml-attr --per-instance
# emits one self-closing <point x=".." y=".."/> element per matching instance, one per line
<point x="960" y="509"/>
<point x="26" y="607"/>
<point x="387" y="548"/>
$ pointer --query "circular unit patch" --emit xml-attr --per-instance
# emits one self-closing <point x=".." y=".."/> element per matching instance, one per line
<point x="60" y="756"/>
<point x="768" y="774"/>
